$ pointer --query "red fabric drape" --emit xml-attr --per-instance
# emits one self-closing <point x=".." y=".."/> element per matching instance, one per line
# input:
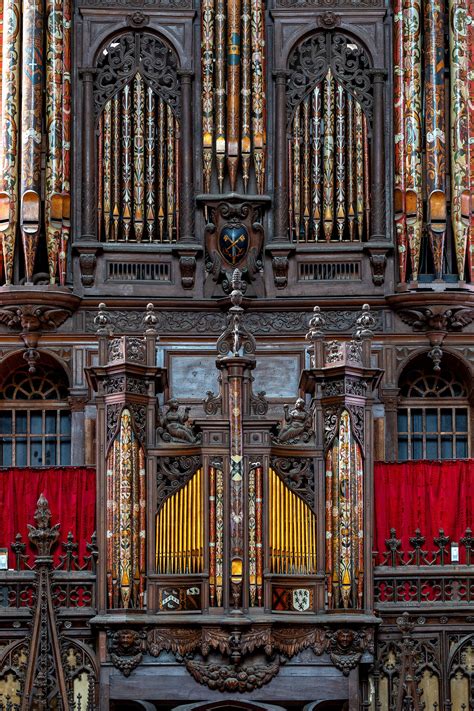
<point x="424" y="495"/>
<point x="70" y="492"/>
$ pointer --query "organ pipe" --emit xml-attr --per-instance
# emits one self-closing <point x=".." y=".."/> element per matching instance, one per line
<point x="459" y="130"/>
<point x="54" y="122"/>
<point x="31" y="129"/>
<point x="66" y="140"/>
<point x="10" y="118"/>
<point x="292" y="531"/>
<point x="233" y="92"/>
<point x="329" y="177"/>
<point x="434" y="130"/>
<point x="138" y="167"/>
<point x="179" y="531"/>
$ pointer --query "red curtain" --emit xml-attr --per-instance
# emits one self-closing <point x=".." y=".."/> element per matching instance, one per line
<point x="70" y="492"/>
<point x="424" y="495"/>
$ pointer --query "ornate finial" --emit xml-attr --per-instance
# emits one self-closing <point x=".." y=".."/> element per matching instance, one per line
<point x="405" y="624"/>
<point x="43" y="537"/>
<point x="317" y="324"/>
<point x="436" y="354"/>
<point x="31" y="356"/>
<point x="236" y="295"/>
<point x="365" y="324"/>
<point x="236" y="339"/>
<point x="150" y="319"/>
<point x="102" y="321"/>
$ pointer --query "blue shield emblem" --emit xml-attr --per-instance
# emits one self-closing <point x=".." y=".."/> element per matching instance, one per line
<point x="233" y="243"/>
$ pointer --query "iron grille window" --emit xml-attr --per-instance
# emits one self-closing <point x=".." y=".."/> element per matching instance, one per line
<point x="433" y="420"/>
<point x="36" y="433"/>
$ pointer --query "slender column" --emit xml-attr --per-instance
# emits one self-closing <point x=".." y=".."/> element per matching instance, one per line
<point x="187" y="184"/>
<point x="378" y="159"/>
<point x="89" y="168"/>
<point x="281" y="159"/>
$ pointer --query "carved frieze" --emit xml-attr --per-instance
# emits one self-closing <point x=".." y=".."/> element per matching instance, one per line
<point x="304" y="4"/>
<point x="259" y="323"/>
<point x="126" y="4"/>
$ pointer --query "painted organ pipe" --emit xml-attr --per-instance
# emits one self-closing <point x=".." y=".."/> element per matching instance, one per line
<point x="470" y="45"/>
<point x="10" y="118"/>
<point x="138" y="149"/>
<point x="233" y="92"/>
<point x="460" y="208"/>
<point x="412" y="99"/>
<point x="255" y="529"/>
<point x="435" y="132"/>
<point x="31" y="129"/>
<point x="420" y="120"/>
<point x="54" y="121"/>
<point x="292" y="531"/>
<point x="126" y="518"/>
<point x="180" y="531"/>
<point x="329" y="177"/>
<point x="66" y="141"/>
<point x="344" y="518"/>
<point x="216" y="535"/>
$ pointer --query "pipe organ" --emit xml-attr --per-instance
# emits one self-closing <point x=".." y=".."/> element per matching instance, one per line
<point x="36" y="61"/>
<point x="329" y="196"/>
<point x="431" y="132"/>
<point x="138" y="167"/>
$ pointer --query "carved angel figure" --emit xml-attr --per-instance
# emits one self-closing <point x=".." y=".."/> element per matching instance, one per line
<point x="297" y="424"/>
<point x="176" y="426"/>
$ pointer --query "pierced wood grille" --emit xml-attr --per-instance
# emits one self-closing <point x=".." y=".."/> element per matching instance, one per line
<point x="292" y="531"/>
<point x="179" y="530"/>
<point x="138" y="167"/>
<point x="329" y="178"/>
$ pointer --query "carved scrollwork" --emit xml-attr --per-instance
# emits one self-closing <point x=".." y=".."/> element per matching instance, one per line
<point x="341" y="386"/>
<point x="139" y="421"/>
<point x="112" y="417"/>
<point x="132" y="53"/>
<point x="329" y="3"/>
<point x="350" y="64"/>
<point x="331" y="421"/>
<point x="229" y="678"/>
<point x="136" y="3"/>
<point x="173" y="473"/>
<point x="258" y="403"/>
<point x="212" y="403"/>
<point x="298" y="475"/>
<point x="114" y="384"/>
<point x="357" y="414"/>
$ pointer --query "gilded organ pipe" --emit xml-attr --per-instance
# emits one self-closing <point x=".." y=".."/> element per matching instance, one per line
<point x="207" y="81"/>
<point x="400" y="139"/>
<point x="179" y="531"/>
<point x="316" y="162"/>
<point x="292" y="531"/>
<point x="328" y="160"/>
<point x="66" y="140"/>
<point x="138" y="157"/>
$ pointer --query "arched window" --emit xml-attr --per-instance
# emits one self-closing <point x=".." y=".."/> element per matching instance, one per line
<point x="35" y="420"/>
<point x="433" y="413"/>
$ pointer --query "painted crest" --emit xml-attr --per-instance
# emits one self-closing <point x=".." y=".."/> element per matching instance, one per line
<point x="301" y="599"/>
<point x="233" y="243"/>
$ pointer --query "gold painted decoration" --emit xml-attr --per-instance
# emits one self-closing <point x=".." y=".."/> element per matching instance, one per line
<point x="126" y="518"/>
<point x="138" y="167"/>
<point x="328" y="160"/>
<point x="180" y="531"/>
<point x="292" y="530"/>
<point x="344" y="519"/>
<point x="359" y="163"/>
<point x="233" y="92"/>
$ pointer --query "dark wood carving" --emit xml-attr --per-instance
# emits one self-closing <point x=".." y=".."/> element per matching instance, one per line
<point x="298" y="475"/>
<point x="173" y="473"/>
<point x="134" y="52"/>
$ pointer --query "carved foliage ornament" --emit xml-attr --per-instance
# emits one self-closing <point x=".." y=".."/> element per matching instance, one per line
<point x="298" y="475"/>
<point x="132" y="53"/>
<point x="127" y="4"/>
<point x="345" y="647"/>
<point x="329" y="3"/>
<point x="331" y="422"/>
<point x="173" y="473"/>
<point x="350" y="64"/>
